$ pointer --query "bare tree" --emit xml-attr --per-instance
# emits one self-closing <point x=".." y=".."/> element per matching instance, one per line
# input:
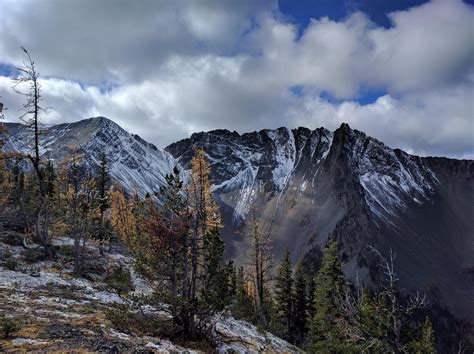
<point x="260" y="261"/>
<point x="27" y="84"/>
<point x="396" y="312"/>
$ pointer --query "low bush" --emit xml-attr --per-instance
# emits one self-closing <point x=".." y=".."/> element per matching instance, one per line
<point x="125" y="320"/>
<point x="33" y="255"/>
<point x="12" y="238"/>
<point x="120" y="279"/>
<point x="11" y="264"/>
<point x="8" y="326"/>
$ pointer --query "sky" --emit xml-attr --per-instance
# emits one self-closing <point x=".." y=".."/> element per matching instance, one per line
<point x="401" y="71"/>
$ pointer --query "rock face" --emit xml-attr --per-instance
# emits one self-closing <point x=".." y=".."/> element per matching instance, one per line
<point x="310" y="184"/>
<point x="133" y="162"/>
<point x="235" y="336"/>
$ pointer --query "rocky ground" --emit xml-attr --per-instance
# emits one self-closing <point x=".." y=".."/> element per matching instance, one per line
<point x="58" y="311"/>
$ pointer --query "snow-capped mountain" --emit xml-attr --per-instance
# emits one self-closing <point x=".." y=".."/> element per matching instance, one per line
<point x="308" y="185"/>
<point x="133" y="162"/>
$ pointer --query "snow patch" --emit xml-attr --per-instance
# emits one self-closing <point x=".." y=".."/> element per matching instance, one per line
<point x="284" y="154"/>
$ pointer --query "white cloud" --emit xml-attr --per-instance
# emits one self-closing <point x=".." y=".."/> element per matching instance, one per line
<point x="428" y="47"/>
<point x="180" y="67"/>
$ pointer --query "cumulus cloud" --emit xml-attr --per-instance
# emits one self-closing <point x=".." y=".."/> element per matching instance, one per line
<point x="167" y="69"/>
<point x="428" y="47"/>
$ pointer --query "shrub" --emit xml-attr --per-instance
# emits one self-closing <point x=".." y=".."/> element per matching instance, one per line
<point x="124" y="319"/>
<point x="8" y="326"/>
<point x="120" y="280"/>
<point x="11" y="264"/>
<point x="12" y="238"/>
<point x="119" y="316"/>
<point x="33" y="255"/>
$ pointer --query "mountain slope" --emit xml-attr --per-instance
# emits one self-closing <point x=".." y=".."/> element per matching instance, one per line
<point x="307" y="185"/>
<point x="133" y="162"/>
<point x="310" y="184"/>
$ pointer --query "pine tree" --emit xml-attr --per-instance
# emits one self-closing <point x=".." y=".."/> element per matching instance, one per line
<point x="232" y="276"/>
<point x="178" y="246"/>
<point x="284" y="296"/>
<point x="242" y="308"/>
<point x="300" y="311"/>
<point x="326" y="333"/>
<point x="424" y="344"/>
<point x="382" y="322"/>
<point x="389" y="319"/>
<point x="216" y="288"/>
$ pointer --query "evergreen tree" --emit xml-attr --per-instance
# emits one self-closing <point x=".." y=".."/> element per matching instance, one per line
<point x="232" y="275"/>
<point x="242" y="308"/>
<point x="300" y="311"/>
<point x="311" y="289"/>
<point x="284" y="296"/>
<point x="216" y="287"/>
<point x="424" y="344"/>
<point x="18" y="184"/>
<point x="387" y="320"/>
<point x="383" y="322"/>
<point x="326" y="332"/>
<point x="178" y="247"/>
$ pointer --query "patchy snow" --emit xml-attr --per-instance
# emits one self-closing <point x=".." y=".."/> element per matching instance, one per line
<point x="391" y="182"/>
<point x="303" y="185"/>
<point x="329" y="140"/>
<point x="284" y="154"/>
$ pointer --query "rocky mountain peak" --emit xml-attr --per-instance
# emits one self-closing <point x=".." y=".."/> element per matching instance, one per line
<point x="134" y="162"/>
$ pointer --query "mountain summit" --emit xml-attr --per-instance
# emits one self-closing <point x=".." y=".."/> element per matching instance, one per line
<point x="135" y="163"/>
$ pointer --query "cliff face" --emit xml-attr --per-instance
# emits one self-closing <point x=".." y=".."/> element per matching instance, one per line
<point x="310" y="184"/>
